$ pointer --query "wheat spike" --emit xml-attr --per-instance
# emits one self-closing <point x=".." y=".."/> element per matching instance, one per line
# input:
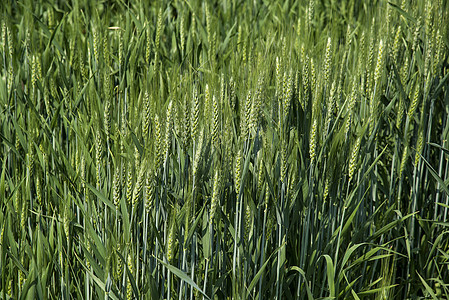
<point x="353" y="160"/>
<point x="215" y="196"/>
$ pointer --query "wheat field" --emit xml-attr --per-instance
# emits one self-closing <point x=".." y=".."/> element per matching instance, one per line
<point x="194" y="149"/>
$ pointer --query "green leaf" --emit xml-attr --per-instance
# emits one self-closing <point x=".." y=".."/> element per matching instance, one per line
<point x="225" y="43"/>
<point x="440" y="181"/>
<point x="349" y="287"/>
<point x="436" y="243"/>
<point x="97" y="280"/>
<point x="446" y="151"/>
<point x="101" y="196"/>
<point x="206" y="239"/>
<point x="352" y="216"/>
<point x="97" y="242"/>
<point x="389" y="226"/>
<point x="261" y="270"/>
<point x="375" y="291"/>
<point x="193" y="227"/>
<point x="2" y="180"/>
<point x="330" y="275"/>
<point x="442" y="204"/>
<point x="441" y="85"/>
<point x="303" y="274"/>
<point x="183" y="276"/>
<point x="11" y="146"/>
<point x="402" y="12"/>
<point x="349" y="252"/>
<point x="137" y="143"/>
<point x="428" y="288"/>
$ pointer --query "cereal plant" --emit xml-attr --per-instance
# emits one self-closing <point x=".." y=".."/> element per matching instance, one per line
<point x="224" y="149"/>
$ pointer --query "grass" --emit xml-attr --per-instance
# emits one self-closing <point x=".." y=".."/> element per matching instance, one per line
<point x="224" y="150"/>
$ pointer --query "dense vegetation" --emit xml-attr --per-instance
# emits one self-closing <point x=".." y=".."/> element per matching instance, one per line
<point x="225" y="150"/>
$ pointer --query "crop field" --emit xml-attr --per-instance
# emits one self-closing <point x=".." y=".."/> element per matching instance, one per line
<point x="224" y="149"/>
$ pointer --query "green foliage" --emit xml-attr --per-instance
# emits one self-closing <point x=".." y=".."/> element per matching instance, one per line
<point x="224" y="149"/>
